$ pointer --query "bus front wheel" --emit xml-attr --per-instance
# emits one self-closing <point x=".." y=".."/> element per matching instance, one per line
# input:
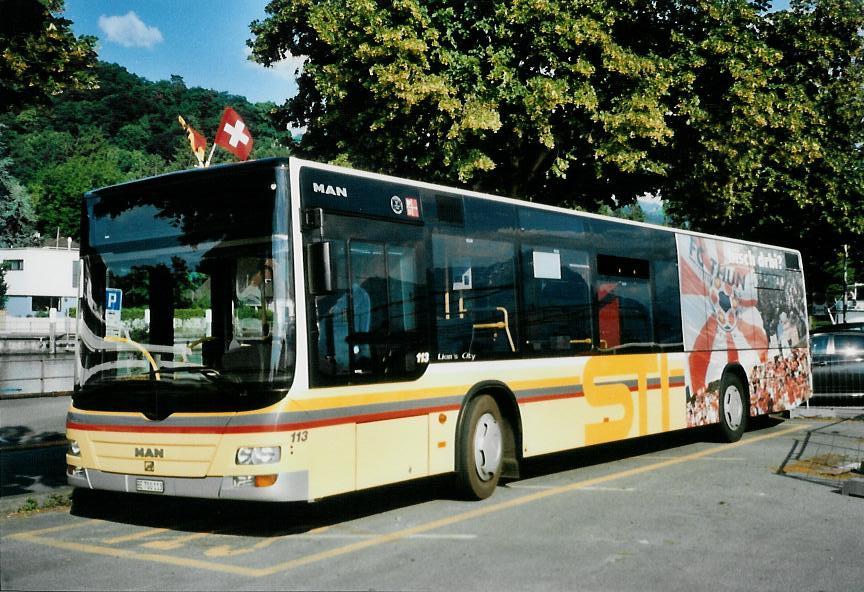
<point x="481" y="448"/>
<point x="734" y="408"/>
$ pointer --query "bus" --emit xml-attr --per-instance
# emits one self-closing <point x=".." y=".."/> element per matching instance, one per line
<point x="284" y="330"/>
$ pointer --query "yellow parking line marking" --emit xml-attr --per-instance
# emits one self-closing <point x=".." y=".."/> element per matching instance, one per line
<point x="445" y="537"/>
<point x="126" y="554"/>
<point x="229" y="551"/>
<point x="506" y="505"/>
<point x="319" y="530"/>
<point x="412" y="532"/>
<point x="723" y="458"/>
<point x="354" y="536"/>
<point x="54" y="529"/>
<point x="176" y="543"/>
<point x="135" y="536"/>
<point x="624" y="489"/>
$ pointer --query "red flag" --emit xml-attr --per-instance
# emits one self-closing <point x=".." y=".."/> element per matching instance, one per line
<point x="197" y="142"/>
<point x="233" y="135"/>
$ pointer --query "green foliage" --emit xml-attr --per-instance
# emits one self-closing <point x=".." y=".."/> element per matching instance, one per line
<point x="631" y="212"/>
<point x="131" y="313"/>
<point x="30" y="505"/>
<point x="747" y="122"/>
<point x="59" y="188"/>
<point x="124" y="129"/>
<point x="41" y="57"/>
<point x="17" y="219"/>
<point x="251" y="312"/>
<point x="188" y="313"/>
<point x="53" y="502"/>
<point x="770" y="136"/>
<point x="539" y="100"/>
<point x="137" y="312"/>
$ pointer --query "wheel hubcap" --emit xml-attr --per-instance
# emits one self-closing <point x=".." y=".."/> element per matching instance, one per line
<point x="733" y="409"/>
<point x="487" y="446"/>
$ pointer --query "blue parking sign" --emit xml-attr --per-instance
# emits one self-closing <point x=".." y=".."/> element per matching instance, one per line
<point x="113" y="299"/>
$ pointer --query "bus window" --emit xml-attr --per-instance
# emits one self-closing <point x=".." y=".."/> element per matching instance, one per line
<point x="667" y="304"/>
<point x="332" y="316"/>
<point x="368" y="328"/>
<point x="624" y="302"/>
<point x="254" y="297"/>
<point x="402" y="283"/>
<point x="475" y="298"/>
<point x="557" y="301"/>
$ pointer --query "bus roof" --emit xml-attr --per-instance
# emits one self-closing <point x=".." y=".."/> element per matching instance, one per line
<point x="189" y="175"/>
<point x="524" y="203"/>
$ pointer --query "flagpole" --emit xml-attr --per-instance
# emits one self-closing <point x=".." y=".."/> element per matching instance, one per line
<point x="212" y="150"/>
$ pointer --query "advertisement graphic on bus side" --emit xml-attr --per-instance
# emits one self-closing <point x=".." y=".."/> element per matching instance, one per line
<point x="742" y="304"/>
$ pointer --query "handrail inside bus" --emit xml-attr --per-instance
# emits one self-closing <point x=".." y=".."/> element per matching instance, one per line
<point x="139" y="347"/>
<point x="505" y="324"/>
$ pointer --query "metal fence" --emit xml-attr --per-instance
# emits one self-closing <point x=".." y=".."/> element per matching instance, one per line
<point x="35" y="326"/>
<point x="829" y="455"/>
<point x="22" y="374"/>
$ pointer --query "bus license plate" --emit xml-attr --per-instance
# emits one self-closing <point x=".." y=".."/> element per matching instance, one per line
<point x="150" y="485"/>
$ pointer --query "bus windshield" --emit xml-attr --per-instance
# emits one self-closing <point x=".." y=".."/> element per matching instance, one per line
<point x="186" y="301"/>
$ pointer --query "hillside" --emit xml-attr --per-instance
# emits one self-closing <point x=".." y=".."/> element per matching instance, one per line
<point x="126" y="128"/>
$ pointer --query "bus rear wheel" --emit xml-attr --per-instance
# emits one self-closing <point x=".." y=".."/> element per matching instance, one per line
<point x="481" y="448"/>
<point x="734" y="408"/>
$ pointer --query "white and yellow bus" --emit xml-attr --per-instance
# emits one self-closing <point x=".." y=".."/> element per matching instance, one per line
<point x="284" y="330"/>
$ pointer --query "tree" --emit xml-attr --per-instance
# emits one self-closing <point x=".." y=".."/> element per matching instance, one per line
<point x="533" y="99"/>
<point x="17" y="220"/>
<point x="746" y="122"/>
<point x="816" y="167"/>
<point x="769" y="144"/>
<point x="41" y="55"/>
<point x="60" y="186"/>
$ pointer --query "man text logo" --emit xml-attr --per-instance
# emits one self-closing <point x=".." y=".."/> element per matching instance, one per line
<point x="329" y="190"/>
<point x="149" y="453"/>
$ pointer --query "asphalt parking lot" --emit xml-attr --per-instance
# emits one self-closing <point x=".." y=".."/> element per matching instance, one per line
<point x="674" y="512"/>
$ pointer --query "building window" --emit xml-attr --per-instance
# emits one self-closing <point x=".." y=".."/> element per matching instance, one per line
<point x="12" y="264"/>
<point x="44" y="303"/>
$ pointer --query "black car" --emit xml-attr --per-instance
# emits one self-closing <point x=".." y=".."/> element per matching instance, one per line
<point x="838" y="327"/>
<point x="838" y="365"/>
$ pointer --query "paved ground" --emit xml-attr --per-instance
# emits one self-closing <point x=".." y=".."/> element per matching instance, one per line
<point x="676" y="512"/>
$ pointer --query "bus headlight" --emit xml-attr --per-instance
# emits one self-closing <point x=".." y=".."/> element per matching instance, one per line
<point x="74" y="448"/>
<point x="259" y="455"/>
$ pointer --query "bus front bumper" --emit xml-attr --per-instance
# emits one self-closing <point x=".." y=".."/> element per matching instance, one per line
<point x="288" y="487"/>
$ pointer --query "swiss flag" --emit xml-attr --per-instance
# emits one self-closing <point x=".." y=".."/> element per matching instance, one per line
<point x="233" y="135"/>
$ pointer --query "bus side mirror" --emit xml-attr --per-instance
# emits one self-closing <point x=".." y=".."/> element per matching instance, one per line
<point x="319" y="270"/>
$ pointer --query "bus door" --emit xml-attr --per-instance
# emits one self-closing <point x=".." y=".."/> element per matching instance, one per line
<point x="367" y="321"/>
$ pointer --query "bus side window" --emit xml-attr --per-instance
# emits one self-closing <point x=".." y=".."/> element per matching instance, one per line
<point x="624" y="302"/>
<point x="557" y="301"/>
<point x="475" y="298"/>
<point x="370" y="328"/>
<point x="332" y="319"/>
<point x="667" y="304"/>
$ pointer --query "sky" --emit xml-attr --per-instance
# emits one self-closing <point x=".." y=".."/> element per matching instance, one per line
<point x="203" y="41"/>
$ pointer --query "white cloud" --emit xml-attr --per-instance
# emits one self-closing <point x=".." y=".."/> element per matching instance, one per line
<point x="129" y="31"/>
<point x="284" y="68"/>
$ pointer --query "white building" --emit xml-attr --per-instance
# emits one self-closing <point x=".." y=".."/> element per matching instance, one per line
<point x="41" y="278"/>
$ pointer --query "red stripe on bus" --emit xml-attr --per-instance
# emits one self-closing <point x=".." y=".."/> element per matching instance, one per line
<point x="250" y="429"/>
<point x="303" y="425"/>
